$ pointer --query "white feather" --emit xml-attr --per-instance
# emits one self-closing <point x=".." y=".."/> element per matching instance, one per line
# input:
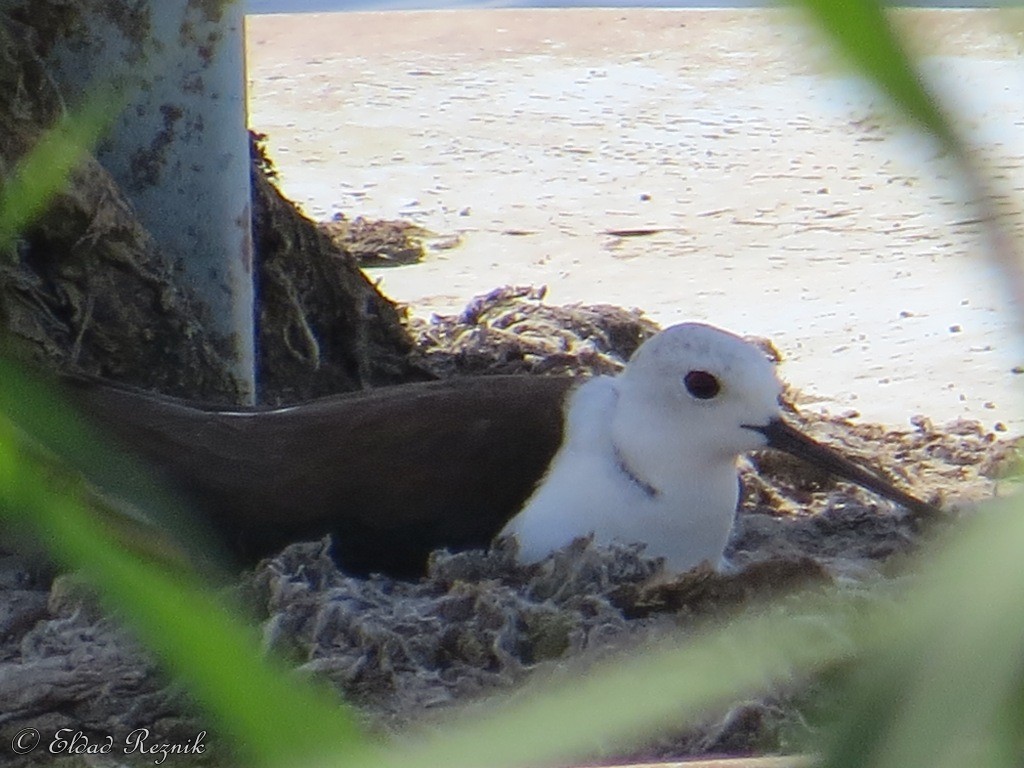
<point x="644" y="460"/>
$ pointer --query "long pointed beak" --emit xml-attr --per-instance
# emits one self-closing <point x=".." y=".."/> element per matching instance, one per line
<point x="786" y="438"/>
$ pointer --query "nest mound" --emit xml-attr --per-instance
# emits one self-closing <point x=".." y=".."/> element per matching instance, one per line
<point x="512" y="330"/>
<point x="478" y="622"/>
<point x="376" y="242"/>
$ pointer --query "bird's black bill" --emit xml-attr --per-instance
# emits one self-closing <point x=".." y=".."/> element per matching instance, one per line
<point x="783" y="437"/>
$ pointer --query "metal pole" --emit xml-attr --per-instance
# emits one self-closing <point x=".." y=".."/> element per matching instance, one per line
<point x="180" y="150"/>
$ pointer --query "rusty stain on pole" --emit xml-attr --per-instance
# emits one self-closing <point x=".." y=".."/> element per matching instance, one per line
<point x="180" y="149"/>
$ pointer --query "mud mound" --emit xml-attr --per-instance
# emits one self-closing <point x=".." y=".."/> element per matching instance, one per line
<point x="86" y="288"/>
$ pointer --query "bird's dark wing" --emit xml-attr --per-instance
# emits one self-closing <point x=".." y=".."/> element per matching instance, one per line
<point x="393" y="473"/>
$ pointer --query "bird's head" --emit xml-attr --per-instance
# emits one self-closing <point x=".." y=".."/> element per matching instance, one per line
<point x="704" y="385"/>
<point x="709" y="395"/>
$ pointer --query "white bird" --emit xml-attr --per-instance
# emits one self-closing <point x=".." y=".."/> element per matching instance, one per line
<point x="397" y="472"/>
<point x="649" y="456"/>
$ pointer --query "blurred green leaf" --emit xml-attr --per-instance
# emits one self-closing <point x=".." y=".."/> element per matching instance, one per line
<point x="270" y="716"/>
<point x="862" y="33"/>
<point x="148" y="516"/>
<point x="622" y="702"/>
<point x="940" y="686"/>
<point x="45" y="169"/>
<point x="935" y="687"/>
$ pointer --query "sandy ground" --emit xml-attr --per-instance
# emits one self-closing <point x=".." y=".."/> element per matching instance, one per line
<point x="783" y="203"/>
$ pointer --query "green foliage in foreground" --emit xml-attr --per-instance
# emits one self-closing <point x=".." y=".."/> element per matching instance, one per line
<point x="260" y="707"/>
<point x="938" y="683"/>
<point x="44" y="171"/>
<point x="861" y="32"/>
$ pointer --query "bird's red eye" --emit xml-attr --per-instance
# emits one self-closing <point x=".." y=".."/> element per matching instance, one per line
<point x="701" y="384"/>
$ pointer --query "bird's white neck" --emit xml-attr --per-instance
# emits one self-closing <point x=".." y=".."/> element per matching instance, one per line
<point x="676" y="459"/>
<point x="606" y="483"/>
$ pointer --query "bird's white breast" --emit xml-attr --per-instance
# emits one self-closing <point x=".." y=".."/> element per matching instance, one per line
<point x="597" y="486"/>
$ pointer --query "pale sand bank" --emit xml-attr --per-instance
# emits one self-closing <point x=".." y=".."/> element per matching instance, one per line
<point x="787" y="208"/>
